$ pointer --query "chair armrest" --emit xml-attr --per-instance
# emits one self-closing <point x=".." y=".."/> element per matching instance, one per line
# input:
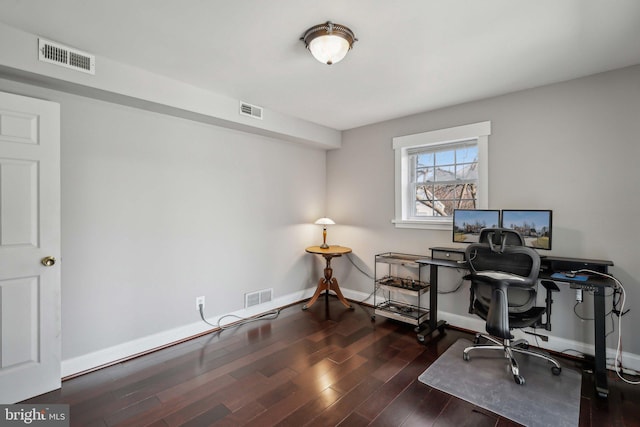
<point x="550" y="285"/>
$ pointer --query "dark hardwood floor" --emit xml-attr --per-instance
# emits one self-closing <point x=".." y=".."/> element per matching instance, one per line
<point x="322" y="367"/>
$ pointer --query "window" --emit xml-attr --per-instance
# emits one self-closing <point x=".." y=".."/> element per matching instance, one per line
<point x="443" y="178"/>
<point x="439" y="171"/>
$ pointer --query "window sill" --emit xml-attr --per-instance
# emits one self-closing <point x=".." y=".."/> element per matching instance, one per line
<point x="431" y="224"/>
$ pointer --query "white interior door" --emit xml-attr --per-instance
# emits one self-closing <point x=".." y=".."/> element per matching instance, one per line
<point x="30" y="342"/>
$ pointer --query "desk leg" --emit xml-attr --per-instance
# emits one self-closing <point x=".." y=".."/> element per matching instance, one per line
<point x="433" y="306"/>
<point x="600" y="372"/>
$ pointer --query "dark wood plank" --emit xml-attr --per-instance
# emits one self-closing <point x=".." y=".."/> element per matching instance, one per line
<point x="339" y="411"/>
<point x="400" y="408"/>
<point x="429" y="409"/>
<point x="390" y="391"/>
<point x="463" y="414"/>
<point x="354" y="420"/>
<point x="208" y="417"/>
<point x="311" y="409"/>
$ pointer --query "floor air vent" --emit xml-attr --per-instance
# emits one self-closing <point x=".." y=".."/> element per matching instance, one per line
<point x="55" y="53"/>
<point x="250" y="110"/>
<point x="258" y="297"/>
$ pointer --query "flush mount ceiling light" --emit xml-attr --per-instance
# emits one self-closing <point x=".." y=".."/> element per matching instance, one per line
<point x="329" y="42"/>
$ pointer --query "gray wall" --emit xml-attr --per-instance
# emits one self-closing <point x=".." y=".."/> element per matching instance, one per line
<point x="158" y="210"/>
<point x="572" y="147"/>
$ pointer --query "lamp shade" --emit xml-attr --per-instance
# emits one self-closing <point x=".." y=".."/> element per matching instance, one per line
<point x="325" y="221"/>
<point x="329" y="42"/>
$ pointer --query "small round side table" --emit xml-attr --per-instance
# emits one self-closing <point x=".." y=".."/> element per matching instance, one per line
<point x="328" y="282"/>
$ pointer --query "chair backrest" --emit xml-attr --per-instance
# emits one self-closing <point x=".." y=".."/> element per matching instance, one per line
<point x="502" y="250"/>
<point x="518" y="260"/>
<point x="498" y="238"/>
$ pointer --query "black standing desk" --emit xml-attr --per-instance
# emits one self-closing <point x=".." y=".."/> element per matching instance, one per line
<point x="596" y="284"/>
<point x="454" y="258"/>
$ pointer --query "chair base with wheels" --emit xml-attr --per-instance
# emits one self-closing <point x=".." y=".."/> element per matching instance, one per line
<point x="508" y="347"/>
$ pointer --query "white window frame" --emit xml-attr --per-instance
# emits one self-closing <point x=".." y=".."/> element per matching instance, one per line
<point x="402" y="145"/>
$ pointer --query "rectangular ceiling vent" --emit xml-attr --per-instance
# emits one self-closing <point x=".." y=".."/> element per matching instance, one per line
<point x="250" y="110"/>
<point x="55" y="53"/>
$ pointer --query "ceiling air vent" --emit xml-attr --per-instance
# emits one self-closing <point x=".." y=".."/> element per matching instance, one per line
<point x="250" y="110"/>
<point x="55" y="53"/>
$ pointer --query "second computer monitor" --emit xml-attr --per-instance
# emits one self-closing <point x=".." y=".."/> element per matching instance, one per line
<point x="533" y="225"/>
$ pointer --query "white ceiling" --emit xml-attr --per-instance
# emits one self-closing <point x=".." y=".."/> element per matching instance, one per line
<point x="412" y="55"/>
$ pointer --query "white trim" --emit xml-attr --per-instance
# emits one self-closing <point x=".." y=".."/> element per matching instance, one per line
<point x="112" y="354"/>
<point x="402" y="144"/>
<point x="443" y="136"/>
<point x="431" y="224"/>
<point x="483" y="172"/>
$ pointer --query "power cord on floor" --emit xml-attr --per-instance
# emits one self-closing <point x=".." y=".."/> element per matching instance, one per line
<point x="578" y="353"/>
<point x="241" y="320"/>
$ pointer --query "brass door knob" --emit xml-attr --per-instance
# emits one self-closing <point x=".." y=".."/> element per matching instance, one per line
<point x="48" y="261"/>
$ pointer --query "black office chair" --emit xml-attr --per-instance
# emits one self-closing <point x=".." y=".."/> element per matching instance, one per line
<point x="504" y="275"/>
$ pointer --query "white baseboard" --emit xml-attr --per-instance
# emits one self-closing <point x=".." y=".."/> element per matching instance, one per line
<point x="128" y="349"/>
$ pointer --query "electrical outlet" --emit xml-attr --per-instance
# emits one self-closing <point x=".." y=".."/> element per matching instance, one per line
<point x="199" y="302"/>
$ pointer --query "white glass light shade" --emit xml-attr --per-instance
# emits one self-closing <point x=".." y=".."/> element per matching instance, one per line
<point x="325" y="221"/>
<point x="329" y="49"/>
<point x="329" y="42"/>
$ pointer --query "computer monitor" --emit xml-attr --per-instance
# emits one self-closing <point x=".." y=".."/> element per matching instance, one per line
<point x="534" y="225"/>
<point x="467" y="223"/>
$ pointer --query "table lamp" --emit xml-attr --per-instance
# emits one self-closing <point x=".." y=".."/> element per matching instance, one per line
<point x="324" y="222"/>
